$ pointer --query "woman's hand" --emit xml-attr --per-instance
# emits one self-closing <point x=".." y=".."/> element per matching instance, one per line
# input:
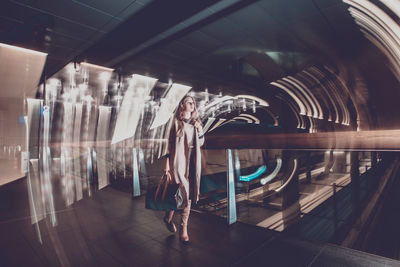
<point x="197" y="124"/>
<point x="168" y="176"/>
<point x="166" y="165"/>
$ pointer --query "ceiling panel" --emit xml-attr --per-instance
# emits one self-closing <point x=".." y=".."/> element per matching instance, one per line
<point x="64" y="40"/>
<point x="255" y="20"/>
<point x="225" y="31"/>
<point x="339" y="17"/>
<point x="7" y="24"/>
<point x="120" y="9"/>
<point x="131" y="10"/>
<point x="71" y="27"/>
<point x="322" y="4"/>
<point x="74" y="30"/>
<point x="313" y="32"/>
<point x="201" y="41"/>
<point x="61" y="27"/>
<point x="152" y="67"/>
<point x="165" y="56"/>
<point x="289" y="11"/>
<point x="61" y="50"/>
<point x="69" y="11"/>
<point x="183" y="50"/>
<point x="112" y="8"/>
<point x="13" y="11"/>
<point x="52" y="62"/>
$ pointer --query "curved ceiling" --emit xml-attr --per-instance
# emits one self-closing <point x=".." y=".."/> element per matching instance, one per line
<point x="313" y="50"/>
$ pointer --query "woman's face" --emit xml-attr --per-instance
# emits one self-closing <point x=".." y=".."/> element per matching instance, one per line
<point x="188" y="104"/>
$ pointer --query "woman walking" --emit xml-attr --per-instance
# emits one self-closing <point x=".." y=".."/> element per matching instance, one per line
<point x="184" y="161"/>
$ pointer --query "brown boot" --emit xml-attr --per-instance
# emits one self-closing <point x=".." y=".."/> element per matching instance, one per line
<point x="183" y="233"/>
<point x="168" y="221"/>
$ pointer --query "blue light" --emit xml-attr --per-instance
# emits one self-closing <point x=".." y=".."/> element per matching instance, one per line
<point x="21" y="119"/>
<point x="257" y="173"/>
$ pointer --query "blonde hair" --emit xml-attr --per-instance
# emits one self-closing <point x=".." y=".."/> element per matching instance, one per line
<point x="194" y="116"/>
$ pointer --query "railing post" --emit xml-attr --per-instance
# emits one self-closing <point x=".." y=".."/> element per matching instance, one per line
<point x="335" y="215"/>
<point x="89" y="170"/>
<point x="135" y="174"/>
<point x="231" y="189"/>
<point x="355" y="182"/>
<point x="308" y="167"/>
<point x="373" y="159"/>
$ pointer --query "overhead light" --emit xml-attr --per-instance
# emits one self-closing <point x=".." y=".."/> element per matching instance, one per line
<point x="54" y="82"/>
<point x="71" y="68"/>
<point x="96" y="66"/>
<point x="23" y="49"/>
<point x="105" y="76"/>
<point x="261" y="102"/>
<point x="174" y="95"/>
<point x="207" y="98"/>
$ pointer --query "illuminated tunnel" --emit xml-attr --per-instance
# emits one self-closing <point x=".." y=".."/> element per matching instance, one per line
<point x="299" y="106"/>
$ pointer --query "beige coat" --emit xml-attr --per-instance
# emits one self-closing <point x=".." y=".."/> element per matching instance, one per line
<point x="179" y="159"/>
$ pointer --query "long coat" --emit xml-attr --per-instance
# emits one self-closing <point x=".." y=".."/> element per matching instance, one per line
<point x="179" y="161"/>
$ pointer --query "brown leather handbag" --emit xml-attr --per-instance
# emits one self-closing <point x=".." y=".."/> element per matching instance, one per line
<point x="166" y="196"/>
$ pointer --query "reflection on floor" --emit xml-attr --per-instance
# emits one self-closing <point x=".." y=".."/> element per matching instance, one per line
<point x="112" y="229"/>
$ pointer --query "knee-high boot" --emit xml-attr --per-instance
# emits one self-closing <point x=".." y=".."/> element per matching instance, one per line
<point x="184" y="222"/>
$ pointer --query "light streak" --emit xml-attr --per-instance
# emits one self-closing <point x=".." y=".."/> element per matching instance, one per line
<point x="393" y="5"/>
<point x="20" y="49"/>
<point x="169" y="104"/>
<point x="256" y="174"/>
<point x="254" y="118"/>
<point x="261" y="102"/>
<point x="309" y="74"/>
<point x="219" y="122"/>
<point x="296" y="99"/>
<point x="314" y="112"/>
<point x="85" y="64"/>
<point x="300" y="121"/>
<point x="273" y="174"/>
<point x="314" y="99"/>
<point x="132" y="106"/>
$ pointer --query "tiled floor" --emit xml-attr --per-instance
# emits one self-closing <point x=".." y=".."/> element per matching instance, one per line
<point x="112" y="229"/>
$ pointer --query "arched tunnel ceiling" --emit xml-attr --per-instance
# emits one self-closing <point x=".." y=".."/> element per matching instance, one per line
<point x="234" y="46"/>
<point x="291" y="33"/>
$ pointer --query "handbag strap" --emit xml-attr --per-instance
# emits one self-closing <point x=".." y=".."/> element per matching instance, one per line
<point x="158" y="187"/>
<point x="162" y="181"/>
<point x="165" y="187"/>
